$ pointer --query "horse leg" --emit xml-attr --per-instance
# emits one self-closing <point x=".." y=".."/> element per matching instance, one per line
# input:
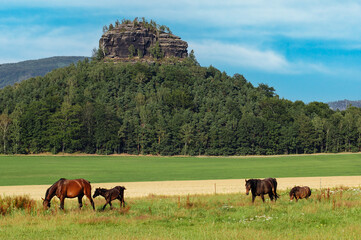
<point x="253" y="197"/>
<point x="270" y="196"/>
<point x="108" y="201"/>
<point x="275" y="193"/>
<point x="262" y="196"/>
<point x="275" y="190"/>
<point x="80" y="198"/>
<point x="88" y="193"/>
<point x="62" y="202"/>
<point x="105" y="204"/>
<point x="123" y="200"/>
<point x="122" y="204"/>
<point x="110" y="204"/>
<point x="91" y="200"/>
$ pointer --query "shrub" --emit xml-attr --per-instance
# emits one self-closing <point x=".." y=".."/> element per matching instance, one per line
<point x="9" y="204"/>
<point x="131" y="50"/>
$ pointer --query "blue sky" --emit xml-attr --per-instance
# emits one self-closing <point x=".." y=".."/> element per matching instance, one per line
<point x="307" y="50"/>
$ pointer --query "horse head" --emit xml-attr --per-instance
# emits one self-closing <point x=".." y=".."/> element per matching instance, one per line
<point x="293" y="192"/>
<point x="248" y="185"/>
<point x="46" y="203"/>
<point x="291" y="197"/>
<point x="97" y="192"/>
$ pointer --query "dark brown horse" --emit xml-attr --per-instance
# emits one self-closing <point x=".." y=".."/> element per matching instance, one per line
<point x="260" y="187"/>
<point x="71" y="188"/>
<point x="111" y="194"/>
<point x="300" y="192"/>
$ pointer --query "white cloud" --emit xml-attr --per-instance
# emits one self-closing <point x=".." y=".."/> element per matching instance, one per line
<point x="243" y="56"/>
<point x="250" y="22"/>
<point x="326" y="19"/>
<point x="36" y="42"/>
<point x="209" y="52"/>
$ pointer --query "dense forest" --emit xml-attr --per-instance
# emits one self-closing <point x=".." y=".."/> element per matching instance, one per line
<point x="168" y="109"/>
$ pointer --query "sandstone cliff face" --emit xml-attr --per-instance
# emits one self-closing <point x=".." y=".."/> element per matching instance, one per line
<point x="116" y="42"/>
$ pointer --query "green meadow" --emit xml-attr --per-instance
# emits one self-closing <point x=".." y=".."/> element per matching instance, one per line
<point x="328" y="214"/>
<point x="333" y="214"/>
<point x="32" y="170"/>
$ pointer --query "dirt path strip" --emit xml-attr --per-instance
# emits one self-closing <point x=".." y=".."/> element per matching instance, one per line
<point x="141" y="189"/>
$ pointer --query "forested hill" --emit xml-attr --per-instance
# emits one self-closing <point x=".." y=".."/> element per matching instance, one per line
<point x="11" y="73"/>
<point x="167" y="109"/>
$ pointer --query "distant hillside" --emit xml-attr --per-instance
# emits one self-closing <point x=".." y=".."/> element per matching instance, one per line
<point x="343" y="104"/>
<point x="11" y="73"/>
<point x="171" y="108"/>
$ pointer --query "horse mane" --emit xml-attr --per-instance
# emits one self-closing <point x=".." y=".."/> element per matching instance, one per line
<point x="102" y="190"/>
<point x="294" y="190"/>
<point x="253" y="181"/>
<point x="53" y="187"/>
<point x="47" y="192"/>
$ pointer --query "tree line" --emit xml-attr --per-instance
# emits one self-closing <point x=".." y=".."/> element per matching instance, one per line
<point x="166" y="109"/>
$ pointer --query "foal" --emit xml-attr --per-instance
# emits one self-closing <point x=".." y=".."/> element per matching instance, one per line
<point x="111" y="194"/>
<point x="300" y="192"/>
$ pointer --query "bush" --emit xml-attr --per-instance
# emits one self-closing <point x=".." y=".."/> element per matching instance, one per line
<point x="131" y="50"/>
<point x="9" y="204"/>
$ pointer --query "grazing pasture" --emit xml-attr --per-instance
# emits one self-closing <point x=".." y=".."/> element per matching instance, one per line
<point x="330" y="214"/>
<point x="34" y="170"/>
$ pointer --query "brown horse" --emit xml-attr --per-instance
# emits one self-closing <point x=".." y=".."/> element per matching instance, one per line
<point x="260" y="187"/>
<point x="300" y="192"/>
<point x="65" y="188"/>
<point x="111" y="194"/>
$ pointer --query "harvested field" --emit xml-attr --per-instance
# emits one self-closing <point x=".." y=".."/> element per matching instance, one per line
<point x="169" y="188"/>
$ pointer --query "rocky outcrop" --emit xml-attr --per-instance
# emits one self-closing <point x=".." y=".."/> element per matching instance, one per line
<point x="128" y="39"/>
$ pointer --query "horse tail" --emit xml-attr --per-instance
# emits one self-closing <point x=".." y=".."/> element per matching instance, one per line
<point x="274" y="183"/>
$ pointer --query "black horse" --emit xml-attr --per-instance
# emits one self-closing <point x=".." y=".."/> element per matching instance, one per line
<point x="260" y="187"/>
<point x="111" y="194"/>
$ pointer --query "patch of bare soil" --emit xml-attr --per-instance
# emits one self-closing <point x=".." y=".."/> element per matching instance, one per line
<point x="142" y="189"/>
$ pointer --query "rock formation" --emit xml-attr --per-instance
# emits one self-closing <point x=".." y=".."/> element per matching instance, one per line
<point x="141" y="39"/>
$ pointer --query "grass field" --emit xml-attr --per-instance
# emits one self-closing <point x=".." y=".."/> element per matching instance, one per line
<point x="328" y="215"/>
<point x="34" y="170"/>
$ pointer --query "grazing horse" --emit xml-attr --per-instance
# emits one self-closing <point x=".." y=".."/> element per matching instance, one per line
<point x="300" y="192"/>
<point x="260" y="187"/>
<point x="71" y="188"/>
<point x="111" y="194"/>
